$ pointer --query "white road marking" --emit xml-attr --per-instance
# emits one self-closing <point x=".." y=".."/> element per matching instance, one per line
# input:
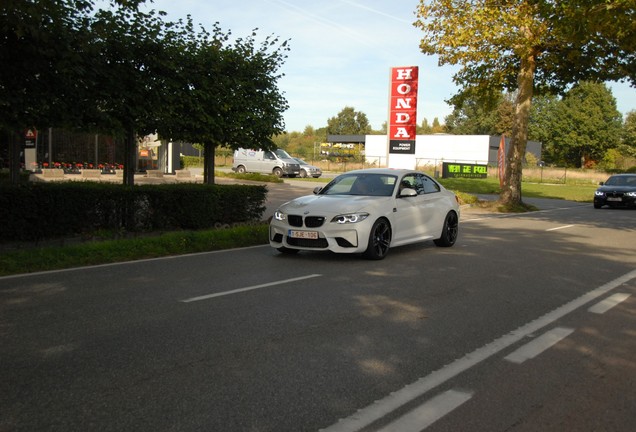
<point x="382" y="407"/>
<point x="540" y="344"/>
<point x="429" y="412"/>
<point x="512" y="215"/>
<point x="560" y="228"/>
<point x="608" y="303"/>
<point x="255" y="287"/>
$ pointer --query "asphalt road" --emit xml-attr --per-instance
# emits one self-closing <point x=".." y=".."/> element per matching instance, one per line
<point x="493" y="334"/>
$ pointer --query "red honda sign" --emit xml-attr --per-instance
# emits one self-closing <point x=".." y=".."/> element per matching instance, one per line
<point x="403" y="109"/>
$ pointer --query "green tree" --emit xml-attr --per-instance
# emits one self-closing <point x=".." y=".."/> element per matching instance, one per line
<point x="629" y="134"/>
<point x="41" y="53"/>
<point x="505" y="116"/>
<point x="349" y="122"/>
<point x="67" y="65"/>
<point x="473" y="117"/>
<point x="437" y="126"/>
<point x="424" y="129"/>
<point x="133" y="80"/>
<point x="541" y="125"/>
<point x="586" y="125"/>
<point x="524" y="45"/>
<point x="229" y="94"/>
<point x="127" y="72"/>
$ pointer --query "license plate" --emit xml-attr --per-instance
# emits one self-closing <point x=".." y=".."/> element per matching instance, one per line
<point x="313" y="235"/>
<point x="614" y="199"/>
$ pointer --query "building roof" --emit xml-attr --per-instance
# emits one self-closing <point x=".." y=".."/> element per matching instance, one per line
<point x="359" y="139"/>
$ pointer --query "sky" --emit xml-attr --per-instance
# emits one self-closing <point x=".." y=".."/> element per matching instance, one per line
<point x="341" y="54"/>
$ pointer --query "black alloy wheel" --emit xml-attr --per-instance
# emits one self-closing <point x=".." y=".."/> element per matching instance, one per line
<point x="449" y="231"/>
<point x="379" y="240"/>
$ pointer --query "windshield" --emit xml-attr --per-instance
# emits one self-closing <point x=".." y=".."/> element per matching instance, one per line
<point x="282" y="154"/>
<point x="621" y="181"/>
<point x="361" y="184"/>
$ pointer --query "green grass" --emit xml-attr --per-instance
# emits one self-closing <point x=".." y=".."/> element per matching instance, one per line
<point x="250" y="176"/>
<point x="109" y="250"/>
<point x="576" y="192"/>
<point x="36" y="259"/>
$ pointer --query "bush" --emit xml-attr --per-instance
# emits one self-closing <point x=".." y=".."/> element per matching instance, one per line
<point x="190" y="161"/>
<point x="36" y="211"/>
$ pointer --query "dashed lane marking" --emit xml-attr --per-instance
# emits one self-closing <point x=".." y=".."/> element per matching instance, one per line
<point x="538" y="345"/>
<point x="560" y="228"/>
<point x="429" y="412"/>
<point x="608" y="303"/>
<point x="365" y="416"/>
<point x="250" y="288"/>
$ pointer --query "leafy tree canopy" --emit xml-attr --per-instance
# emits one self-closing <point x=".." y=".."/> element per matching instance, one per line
<point x="629" y="133"/>
<point x="585" y="125"/>
<point x="126" y="72"/>
<point x="527" y="45"/>
<point x="349" y="122"/>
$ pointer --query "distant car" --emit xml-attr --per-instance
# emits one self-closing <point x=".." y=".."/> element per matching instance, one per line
<point x="307" y="170"/>
<point x="368" y="211"/>
<point x="618" y="191"/>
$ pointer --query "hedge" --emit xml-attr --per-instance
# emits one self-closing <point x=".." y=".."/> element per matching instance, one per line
<point x="35" y="211"/>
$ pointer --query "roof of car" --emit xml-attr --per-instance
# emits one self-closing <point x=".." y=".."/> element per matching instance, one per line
<point x="394" y="171"/>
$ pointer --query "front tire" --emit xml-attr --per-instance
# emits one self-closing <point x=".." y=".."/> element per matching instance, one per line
<point x="303" y="173"/>
<point x="277" y="172"/>
<point x="379" y="240"/>
<point x="240" y="169"/>
<point x="449" y="231"/>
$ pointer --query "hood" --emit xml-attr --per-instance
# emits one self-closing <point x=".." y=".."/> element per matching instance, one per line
<point x="609" y="188"/>
<point x="333" y="204"/>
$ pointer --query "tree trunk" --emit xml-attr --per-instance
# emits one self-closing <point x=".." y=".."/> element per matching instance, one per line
<point x="15" y="145"/>
<point x="208" y="163"/>
<point x="511" y="192"/>
<point x="130" y="157"/>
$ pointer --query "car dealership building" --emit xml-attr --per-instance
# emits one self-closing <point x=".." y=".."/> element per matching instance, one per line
<point x="433" y="149"/>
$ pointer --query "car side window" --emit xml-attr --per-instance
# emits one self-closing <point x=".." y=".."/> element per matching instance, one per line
<point x="429" y="185"/>
<point x="408" y="181"/>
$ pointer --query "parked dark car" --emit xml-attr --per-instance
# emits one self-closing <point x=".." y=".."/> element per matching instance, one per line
<point x="618" y="191"/>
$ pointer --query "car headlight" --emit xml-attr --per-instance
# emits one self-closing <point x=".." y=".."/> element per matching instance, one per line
<point x="280" y="216"/>
<point x="350" y="218"/>
<point x="599" y="193"/>
<point x="630" y="194"/>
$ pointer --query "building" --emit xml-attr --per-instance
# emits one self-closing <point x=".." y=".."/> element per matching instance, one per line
<point x="434" y="149"/>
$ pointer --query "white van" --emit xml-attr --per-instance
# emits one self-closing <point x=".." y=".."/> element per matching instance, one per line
<point x="277" y="162"/>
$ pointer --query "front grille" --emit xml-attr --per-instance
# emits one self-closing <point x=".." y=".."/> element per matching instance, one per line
<point x="314" y="221"/>
<point x="295" y="220"/>
<point x="319" y="243"/>
<point x="615" y="194"/>
<point x="310" y="221"/>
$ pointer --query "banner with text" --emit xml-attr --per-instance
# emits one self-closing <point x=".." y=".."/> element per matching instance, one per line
<point x="403" y="109"/>
<point x="462" y="170"/>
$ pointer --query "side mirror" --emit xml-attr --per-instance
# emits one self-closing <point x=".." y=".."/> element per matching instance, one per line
<point x="601" y="183"/>
<point x="317" y="190"/>
<point x="408" y="192"/>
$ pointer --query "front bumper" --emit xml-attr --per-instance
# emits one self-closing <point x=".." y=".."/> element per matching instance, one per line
<point x="615" y="200"/>
<point x="345" y="238"/>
